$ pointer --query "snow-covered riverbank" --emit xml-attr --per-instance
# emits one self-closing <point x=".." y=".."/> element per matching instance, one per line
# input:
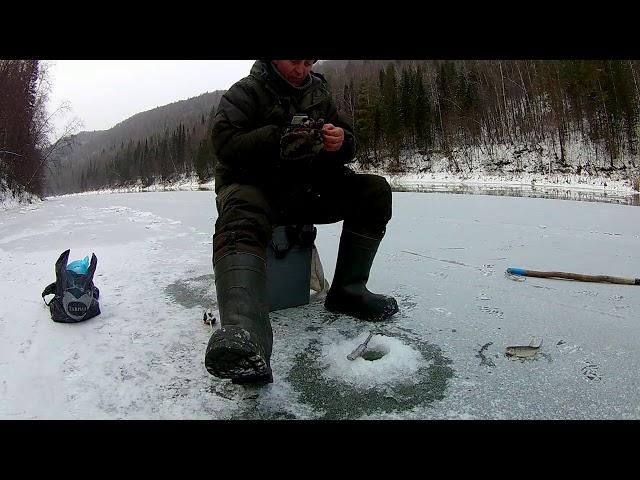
<point x="571" y="187"/>
<point x="559" y="186"/>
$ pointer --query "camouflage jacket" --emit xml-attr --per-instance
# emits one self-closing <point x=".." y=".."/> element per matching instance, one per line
<point x="250" y="119"/>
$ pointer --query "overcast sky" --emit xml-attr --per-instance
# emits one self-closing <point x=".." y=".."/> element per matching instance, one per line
<point x="102" y="93"/>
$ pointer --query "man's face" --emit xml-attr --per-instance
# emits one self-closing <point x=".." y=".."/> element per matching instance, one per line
<point x="295" y="71"/>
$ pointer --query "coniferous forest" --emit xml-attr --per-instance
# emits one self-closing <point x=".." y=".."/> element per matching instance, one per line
<point x="456" y="105"/>
<point x="400" y="110"/>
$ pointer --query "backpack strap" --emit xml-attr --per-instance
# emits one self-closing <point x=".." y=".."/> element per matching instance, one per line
<point x="49" y="290"/>
<point x="61" y="272"/>
<point x="91" y="270"/>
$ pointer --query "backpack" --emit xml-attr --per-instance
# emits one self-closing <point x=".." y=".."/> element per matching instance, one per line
<point x="76" y="297"/>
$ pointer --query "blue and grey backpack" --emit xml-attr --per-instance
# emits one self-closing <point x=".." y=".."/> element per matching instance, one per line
<point x="76" y="297"/>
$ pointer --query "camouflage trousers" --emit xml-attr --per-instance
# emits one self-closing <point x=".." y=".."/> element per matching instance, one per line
<point x="248" y="213"/>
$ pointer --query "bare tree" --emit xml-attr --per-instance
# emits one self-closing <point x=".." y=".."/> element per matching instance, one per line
<point x="63" y="143"/>
<point x="26" y="126"/>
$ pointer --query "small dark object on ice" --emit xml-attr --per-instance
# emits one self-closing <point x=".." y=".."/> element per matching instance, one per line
<point x="208" y="318"/>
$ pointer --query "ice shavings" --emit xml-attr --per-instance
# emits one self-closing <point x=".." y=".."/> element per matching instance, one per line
<point x="399" y="364"/>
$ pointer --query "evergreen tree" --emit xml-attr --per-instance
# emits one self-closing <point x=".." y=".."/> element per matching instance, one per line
<point x="202" y="162"/>
<point x="407" y="105"/>
<point x="364" y="125"/>
<point x="391" y="116"/>
<point x="422" y="117"/>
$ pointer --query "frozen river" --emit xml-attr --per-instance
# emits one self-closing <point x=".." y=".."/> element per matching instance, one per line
<point x="443" y="356"/>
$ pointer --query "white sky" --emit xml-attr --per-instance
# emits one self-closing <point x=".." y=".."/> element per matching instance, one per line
<point x="102" y="93"/>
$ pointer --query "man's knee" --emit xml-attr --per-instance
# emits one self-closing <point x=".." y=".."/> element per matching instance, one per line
<point x="376" y="194"/>
<point x="371" y="205"/>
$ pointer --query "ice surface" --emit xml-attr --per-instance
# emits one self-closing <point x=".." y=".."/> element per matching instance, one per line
<point x="443" y="258"/>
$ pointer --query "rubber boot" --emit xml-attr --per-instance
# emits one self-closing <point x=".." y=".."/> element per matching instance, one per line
<point x="241" y="349"/>
<point x="348" y="293"/>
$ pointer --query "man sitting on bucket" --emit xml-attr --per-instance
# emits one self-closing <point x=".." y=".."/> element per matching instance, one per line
<point x="281" y="151"/>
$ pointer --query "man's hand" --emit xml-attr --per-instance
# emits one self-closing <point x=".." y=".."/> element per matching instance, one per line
<point x="332" y="137"/>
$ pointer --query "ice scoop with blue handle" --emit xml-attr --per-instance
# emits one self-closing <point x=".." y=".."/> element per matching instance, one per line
<point x="574" y="276"/>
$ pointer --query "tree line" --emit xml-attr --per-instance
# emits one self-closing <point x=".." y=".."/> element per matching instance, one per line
<point x="397" y="107"/>
<point x="441" y="105"/>
<point x="157" y="146"/>
<point x="159" y="158"/>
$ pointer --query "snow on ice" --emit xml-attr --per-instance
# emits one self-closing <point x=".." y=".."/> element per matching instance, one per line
<point x="443" y="258"/>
